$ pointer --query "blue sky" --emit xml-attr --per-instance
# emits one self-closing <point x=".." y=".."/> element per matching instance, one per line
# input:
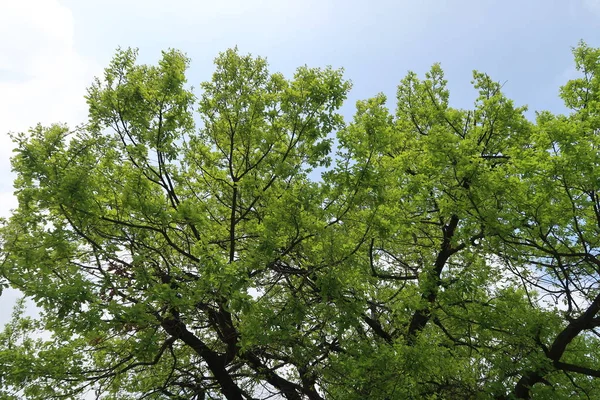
<point x="51" y="49"/>
<point x="524" y="42"/>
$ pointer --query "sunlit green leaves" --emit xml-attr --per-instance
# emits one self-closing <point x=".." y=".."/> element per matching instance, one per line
<point x="443" y="253"/>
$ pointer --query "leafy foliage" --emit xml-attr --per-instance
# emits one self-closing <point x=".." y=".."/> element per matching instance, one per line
<point x="443" y="253"/>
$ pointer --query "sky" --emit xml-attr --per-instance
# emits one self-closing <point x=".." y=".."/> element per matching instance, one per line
<point x="50" y="50"/>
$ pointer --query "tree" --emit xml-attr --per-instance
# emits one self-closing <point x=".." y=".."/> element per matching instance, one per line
<point x="443" y="253"/>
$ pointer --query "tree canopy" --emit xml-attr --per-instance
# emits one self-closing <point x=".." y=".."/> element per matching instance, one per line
<point x="246" y="242"/>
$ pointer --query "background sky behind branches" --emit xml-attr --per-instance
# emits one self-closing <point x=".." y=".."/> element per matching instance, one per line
<point x="50" y="50"/>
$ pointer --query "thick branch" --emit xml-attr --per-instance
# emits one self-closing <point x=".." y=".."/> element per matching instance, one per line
<point x="214" y="361"/>
<point x="422" y="316"/>
<point x="586" y="320"/>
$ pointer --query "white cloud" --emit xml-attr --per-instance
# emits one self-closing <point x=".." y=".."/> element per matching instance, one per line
<point x="44" y="77"/>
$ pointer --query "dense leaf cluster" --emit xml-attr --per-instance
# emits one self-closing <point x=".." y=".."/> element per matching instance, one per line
<point x="180" y="247"/>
